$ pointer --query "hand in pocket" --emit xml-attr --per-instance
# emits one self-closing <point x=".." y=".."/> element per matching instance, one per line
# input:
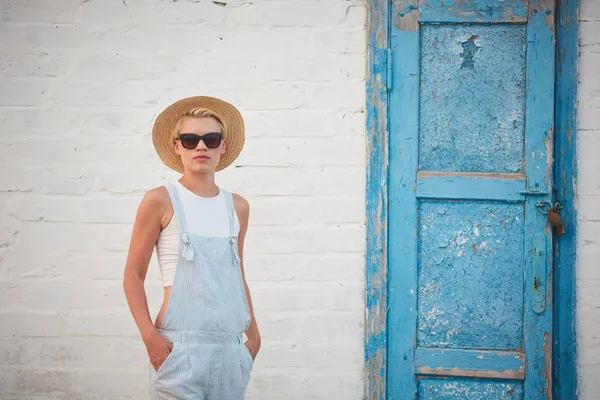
<point x="158" y="349"/>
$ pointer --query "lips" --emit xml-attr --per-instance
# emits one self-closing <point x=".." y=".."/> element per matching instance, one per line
<point x="201" y="158"/>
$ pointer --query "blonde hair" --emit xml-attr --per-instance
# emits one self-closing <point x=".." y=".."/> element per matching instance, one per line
<point x="198" y="112"/>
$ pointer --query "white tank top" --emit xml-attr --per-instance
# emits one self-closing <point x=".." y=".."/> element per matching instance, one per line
<point x="204" y="216"/>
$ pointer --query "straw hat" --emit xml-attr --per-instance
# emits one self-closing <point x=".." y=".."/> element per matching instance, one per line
<point x="233" y="129"/>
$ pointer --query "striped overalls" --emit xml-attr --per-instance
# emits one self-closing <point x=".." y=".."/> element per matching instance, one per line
<point x="205" y="318"/>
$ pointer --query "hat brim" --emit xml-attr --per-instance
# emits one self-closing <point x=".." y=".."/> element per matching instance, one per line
<point x="162" y="132"/>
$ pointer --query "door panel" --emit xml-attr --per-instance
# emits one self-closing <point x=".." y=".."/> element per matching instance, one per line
<point x="462" y="126"/>
<point x="470" y="275"/>
<point x="471" y="114"/>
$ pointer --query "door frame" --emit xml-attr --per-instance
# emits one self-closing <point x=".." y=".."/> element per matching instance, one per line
<point x="565" y="176"/>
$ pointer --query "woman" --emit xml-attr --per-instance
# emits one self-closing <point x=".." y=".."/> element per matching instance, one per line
<point x="195" y="345"/>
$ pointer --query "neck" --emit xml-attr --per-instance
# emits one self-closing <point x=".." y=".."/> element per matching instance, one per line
<point x="201" y="184"/>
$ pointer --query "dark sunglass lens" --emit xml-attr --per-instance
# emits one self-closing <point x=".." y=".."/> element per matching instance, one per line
<point x="189" y="142"/>
<point x="212" y="141"/>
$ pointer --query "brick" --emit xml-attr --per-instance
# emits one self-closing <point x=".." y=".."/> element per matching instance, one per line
<point x="27" y="39"/>
<point x="588" y="231"/>
<point x="278" y="181"/>
<point x="81" y="151"/>
<point x="587" y="324"/>
<point x="70" y="122"/>
<point x="54" y="295"/>
<point x="274" y="211"/>
<point x="69" y="209"/>
<point x="587" y="209"/>
<point x="48" y="181"/>
<point x="282" y="355"/>
<point x="104" y="68"/>
<point x="95" y="324"/>
<point x="34" y="381"/>
<point x="9" y="234"/>
<point x="73" y="352"/>
<point x="130" y="93"/>
<point x="313" y="96"/>
<point x="588" y="64"/>
<point x="588" y="170"/>
<point x="588" y="385"/>
<point x="589" y="10"/>
<point x="110" y="382"/>
<point x="315" y="41"/>
<point x="345" y="268"/>
<point x="296" y="14"/>
<point x="312" y="240"/>
<point x="330" y="296"/>
<point x="589" y="90"/>
<point x="309" y="328"/>
<point x="304" y="152"/>
<point x="99" y="265"/>
<point x="303" y="123"/>
<point x="174" y="40"/>
<point x="24" y="93"/>
<point x="129" y="180"/>
<point x="590" y="357"/>
<point x="150" y="13"/>
<point x="587" y="117"/>
<point x="297" y="385"/>
<point x="29" y="323"/>
<point x="73" y="238"/>
<point x="42" y="12"/>
<point x="36" y="65"/>
<point x="330" y="68"/>
<point x="587" y="257"/>
<point x="589" y="37"/>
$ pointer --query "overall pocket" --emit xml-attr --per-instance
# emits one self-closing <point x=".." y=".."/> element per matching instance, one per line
<point x="208" y="283"/>
<point x="246" y="364"/>
<point x="165" y="363"/>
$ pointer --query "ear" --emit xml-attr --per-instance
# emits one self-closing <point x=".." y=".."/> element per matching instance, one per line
<point x="176" y="147"/>
<point x="223" y="147"/>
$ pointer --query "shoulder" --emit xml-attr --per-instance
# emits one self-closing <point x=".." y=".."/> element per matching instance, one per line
<point x="241" y="205"/>
<point x="156" y="205"/>
<point x="158" y="196"/>
<point x="155" y="202"/>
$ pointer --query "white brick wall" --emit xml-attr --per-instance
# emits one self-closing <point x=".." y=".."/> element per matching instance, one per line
<point x="588" y="210"/>
<point x="80" y="84"/>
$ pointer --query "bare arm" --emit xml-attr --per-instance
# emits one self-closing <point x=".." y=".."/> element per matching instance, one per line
<point x="147" y="227"/>
<point x="243" y="210"/>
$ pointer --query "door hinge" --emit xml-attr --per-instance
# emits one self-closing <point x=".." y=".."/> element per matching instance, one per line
<point x="390" y="63"/>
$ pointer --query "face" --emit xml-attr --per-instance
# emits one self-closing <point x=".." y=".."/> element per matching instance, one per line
<point x="200" y="159"/>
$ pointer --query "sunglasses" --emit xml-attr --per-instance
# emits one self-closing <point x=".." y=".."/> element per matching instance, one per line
<point x="190" y="140"/>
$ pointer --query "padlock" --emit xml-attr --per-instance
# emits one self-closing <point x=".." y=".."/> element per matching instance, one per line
<point x="555" y="220"/>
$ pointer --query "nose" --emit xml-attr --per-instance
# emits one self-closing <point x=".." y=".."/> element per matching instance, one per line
<point x="201" y="145"/>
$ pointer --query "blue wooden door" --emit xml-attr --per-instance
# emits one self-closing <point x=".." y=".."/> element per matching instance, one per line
<point x="471" y="112"/>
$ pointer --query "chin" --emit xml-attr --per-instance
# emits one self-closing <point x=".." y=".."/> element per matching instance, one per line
<point x="201" y="169"/>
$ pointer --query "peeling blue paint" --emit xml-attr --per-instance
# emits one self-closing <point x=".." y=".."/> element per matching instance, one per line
<point x="538" y="157"/>
<point x="402" y="238"/>
<point x="451" y="186"/>
<point x="376" y="199"/>
<point x="465" y="389"/>
<point x="565" y="175"/>
<point x="472" y="98"/>
<point x="474" y="11"/>
<point x="398" y="366"/>
<point x="470" y="291"/>
<point x="455" y="362"/>
<point x="469" y="51"/>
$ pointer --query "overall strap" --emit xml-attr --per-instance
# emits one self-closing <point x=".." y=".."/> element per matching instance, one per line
<point x="177" y="206"/>
<point x="231" y="211"/>
<point x="232" y="216"/>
